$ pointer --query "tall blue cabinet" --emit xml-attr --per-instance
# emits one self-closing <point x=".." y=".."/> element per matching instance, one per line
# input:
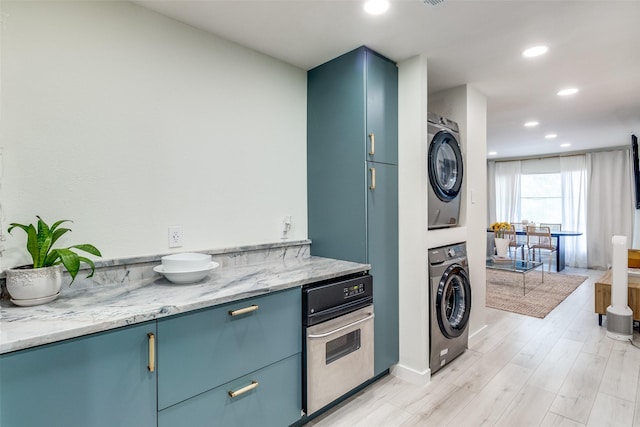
<point x="352" y="177"/>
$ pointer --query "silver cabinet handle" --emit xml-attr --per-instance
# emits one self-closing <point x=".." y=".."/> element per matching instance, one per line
<point x="341" y="328"/>
<point x="372" y="138"/>
<point x="373" y="179"/>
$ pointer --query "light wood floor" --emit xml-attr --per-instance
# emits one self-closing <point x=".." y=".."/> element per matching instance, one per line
<point x="520" y="371"/>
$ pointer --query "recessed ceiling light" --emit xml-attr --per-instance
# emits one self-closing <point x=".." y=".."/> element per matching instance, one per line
<point x="551" y="135"/>
<point x="568" y="91"/>
<point x="565" y="145"/>
<point x="535" y="51"/>
<point x="492" y="153"/>
<point x="531" y="124"/>
<point x="376" y="7"/>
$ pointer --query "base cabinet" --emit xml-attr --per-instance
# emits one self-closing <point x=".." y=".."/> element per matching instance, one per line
<point x="103" y="380"/>
<point x="98" y="380"/>
<point x="205" y="354"/>
<point x="275" y="401"/>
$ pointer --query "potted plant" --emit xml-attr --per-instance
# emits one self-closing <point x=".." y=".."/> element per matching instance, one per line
<point x="502" y="243"/>
<point x="40" y="281"/>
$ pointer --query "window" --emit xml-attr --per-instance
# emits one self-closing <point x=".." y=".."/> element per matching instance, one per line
<point x="541" y="197"/>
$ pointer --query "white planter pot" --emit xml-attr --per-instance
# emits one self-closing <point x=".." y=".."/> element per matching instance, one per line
<point x="502" y="247"/>
<point x="34" y="283"/>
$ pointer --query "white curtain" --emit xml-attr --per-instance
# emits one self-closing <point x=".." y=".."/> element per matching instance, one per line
<point x="573" y="176"/>
<point x="610" y="204"/>
<point x="491" y="192"/>
<point x="507" y="182"/>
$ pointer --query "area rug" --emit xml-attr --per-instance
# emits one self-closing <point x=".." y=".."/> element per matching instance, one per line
<point x="504" y="291"/>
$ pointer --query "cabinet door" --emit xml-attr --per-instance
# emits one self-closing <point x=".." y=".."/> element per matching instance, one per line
<point x="382" y="109"/>
<point x="98" y="380"/>
<point x="382" y="246"/>
<point x="336" y="139"/>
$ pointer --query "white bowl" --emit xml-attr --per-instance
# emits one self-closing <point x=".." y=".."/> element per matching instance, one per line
<point x="182" y="277"/>
<point x="185" y="262"/>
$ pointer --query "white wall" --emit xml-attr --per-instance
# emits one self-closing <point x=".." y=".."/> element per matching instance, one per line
<point x="128" y="122"/>
<point x="412" y="200"/>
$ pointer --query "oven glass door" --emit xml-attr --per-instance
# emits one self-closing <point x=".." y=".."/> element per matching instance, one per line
<point x="339" y="357"/>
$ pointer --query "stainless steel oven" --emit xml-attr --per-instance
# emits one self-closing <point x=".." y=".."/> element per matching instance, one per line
<point x="338" y="339"/>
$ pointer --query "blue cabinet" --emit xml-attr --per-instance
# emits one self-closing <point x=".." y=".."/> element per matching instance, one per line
<point x="103" y="379"/>
<point x="352" y="177"/>
<point x="272" y="399"/>
<point x="96" y="380"/>
<point x="205" y="354"/>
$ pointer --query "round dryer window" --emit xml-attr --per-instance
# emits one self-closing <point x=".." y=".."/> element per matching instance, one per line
<point x="453" y="301"/>
<point x="445" y="166"/>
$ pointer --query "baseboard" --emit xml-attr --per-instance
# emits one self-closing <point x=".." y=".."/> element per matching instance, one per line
<point x="411" y="375"/>
<point x="476" y="334"/>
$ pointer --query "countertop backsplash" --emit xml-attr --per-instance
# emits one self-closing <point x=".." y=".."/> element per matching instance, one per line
<point x="125" y="270"/>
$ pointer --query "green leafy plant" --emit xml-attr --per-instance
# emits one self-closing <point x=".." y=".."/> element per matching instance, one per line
<point x="40" y="242"/>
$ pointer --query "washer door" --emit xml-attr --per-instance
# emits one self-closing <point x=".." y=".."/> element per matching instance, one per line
<point x="445" y="166"/>
<point x="453" y="301"/>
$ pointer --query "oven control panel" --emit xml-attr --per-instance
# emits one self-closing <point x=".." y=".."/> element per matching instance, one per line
<point x="327" y="300"/>
<point x="353" y="290"/>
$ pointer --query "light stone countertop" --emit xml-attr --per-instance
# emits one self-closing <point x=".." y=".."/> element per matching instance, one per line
<point x="88" y="310"/>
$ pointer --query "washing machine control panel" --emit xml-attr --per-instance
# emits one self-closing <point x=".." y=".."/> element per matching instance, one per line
<point x="440" y="255"/>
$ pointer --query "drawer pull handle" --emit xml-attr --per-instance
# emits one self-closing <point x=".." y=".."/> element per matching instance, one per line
<point x="243" y="310"/>
<point x="372" y="137"/>
<point x="152" y="352"/>
<point x="243" y="390"/>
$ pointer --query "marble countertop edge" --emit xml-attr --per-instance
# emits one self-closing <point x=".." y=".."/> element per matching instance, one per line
<point x="88" y="311"/>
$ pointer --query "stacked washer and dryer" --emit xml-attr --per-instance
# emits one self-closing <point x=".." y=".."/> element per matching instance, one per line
<point x="449" y="285"/>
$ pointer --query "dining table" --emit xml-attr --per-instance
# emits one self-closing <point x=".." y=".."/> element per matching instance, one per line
<point x="559" y="235"/>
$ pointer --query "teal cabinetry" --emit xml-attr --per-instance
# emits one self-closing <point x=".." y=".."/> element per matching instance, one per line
<point x="274" y="402"/>
<point x="205" y="354"/>
<point x="352" y="177"/>
<point x="96" y="380"/>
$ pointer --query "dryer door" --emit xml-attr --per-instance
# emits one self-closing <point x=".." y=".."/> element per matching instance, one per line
<point x="453" y="301"/>
<point x="445" y="166"/>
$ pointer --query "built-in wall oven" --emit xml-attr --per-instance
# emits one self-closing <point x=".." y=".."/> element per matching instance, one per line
<point x="337" y="320"/>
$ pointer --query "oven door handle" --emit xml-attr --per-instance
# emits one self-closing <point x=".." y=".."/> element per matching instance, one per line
<point x="341" y="328"/>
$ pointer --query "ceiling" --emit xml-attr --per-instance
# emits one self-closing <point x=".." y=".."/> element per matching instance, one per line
<point x="593" y="45"/>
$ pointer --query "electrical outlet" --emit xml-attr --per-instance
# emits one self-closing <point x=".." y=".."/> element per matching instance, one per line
<point x="286" y="226"/>
<point x="175" y="236"/>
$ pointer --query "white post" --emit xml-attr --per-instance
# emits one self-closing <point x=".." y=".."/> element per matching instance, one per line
<point x="619" y="315"/>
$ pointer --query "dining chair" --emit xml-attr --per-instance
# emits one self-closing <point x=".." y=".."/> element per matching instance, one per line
<point x="521" y="241"/>
<point x="514" y="240"/>
<point x="539" y="238"/>
<point x="553" y="227"/>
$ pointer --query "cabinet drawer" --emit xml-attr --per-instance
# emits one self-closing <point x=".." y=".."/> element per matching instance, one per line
<point x="274" y="402"/>
<point x="202" y="350"/>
